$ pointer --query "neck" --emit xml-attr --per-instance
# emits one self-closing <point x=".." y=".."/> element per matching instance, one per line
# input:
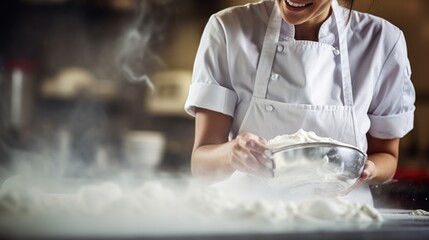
<point x="303" y="33"/>
<point x="310" y="30"/>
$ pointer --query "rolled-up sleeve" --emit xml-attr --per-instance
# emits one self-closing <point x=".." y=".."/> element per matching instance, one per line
<point x="392" y="109"/>
<point x="211" y="85"/>
<point x="211" y="97"/>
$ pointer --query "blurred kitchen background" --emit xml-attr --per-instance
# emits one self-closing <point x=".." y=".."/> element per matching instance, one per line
<point x="102" y="83"/>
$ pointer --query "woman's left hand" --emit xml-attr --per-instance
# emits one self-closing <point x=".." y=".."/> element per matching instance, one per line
<point x="368" y="173"/>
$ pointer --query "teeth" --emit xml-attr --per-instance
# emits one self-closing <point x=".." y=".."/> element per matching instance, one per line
<point x="296" y="4"/>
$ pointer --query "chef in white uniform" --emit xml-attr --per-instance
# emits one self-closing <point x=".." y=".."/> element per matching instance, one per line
<point x="274" y="67"/>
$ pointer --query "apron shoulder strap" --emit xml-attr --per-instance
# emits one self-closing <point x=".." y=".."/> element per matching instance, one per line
<point x="268" y="53"/>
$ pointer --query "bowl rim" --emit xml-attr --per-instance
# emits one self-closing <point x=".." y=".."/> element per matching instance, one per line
<point x="317" y="144"/>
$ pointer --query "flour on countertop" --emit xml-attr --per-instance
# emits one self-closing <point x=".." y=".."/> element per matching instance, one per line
<point x="167" y="206"/>
<point x="158" y="207"/>
<point x="159" y="198"/>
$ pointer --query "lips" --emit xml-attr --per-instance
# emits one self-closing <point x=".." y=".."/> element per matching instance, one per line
<point x="297" y="6"/>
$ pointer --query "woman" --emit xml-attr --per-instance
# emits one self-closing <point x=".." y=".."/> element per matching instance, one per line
<point x="275" y="67"/>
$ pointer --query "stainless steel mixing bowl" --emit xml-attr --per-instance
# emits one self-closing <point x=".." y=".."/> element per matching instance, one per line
<point x="320" y="167"/>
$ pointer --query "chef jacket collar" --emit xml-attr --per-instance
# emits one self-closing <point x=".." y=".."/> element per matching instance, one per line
<point x="326" y="32"/>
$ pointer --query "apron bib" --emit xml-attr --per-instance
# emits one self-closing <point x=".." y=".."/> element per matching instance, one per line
<point x="268" y="118"/>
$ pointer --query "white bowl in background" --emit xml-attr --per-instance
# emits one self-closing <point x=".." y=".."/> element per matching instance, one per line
<point x="144" y="149"/>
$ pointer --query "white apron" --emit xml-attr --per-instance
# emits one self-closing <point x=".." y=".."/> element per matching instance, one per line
<point x="268" y="118"/>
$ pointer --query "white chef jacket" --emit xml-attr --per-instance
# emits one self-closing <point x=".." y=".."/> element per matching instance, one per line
<point x="230" y="47"/>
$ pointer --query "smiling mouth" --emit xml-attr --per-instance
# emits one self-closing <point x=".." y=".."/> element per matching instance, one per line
<point x="296" y="5"/>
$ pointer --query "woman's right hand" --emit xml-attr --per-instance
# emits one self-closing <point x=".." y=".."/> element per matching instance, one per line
<point x="215" y="157"/>
<point x="250" y="154"/>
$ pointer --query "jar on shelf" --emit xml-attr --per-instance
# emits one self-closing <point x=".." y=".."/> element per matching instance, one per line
<point x="17" y="93"/>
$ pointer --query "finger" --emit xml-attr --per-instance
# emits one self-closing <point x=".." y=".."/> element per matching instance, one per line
<point x="262" y="140"/>
<point x="368" y="171"/>
<point x="248" y="135"/>
<point x="256" y="146"/>
<point x="265" y="160"/>
<point x="365" y="175"/>
<point x="244" y="161"/>
<point x="253" y="142"/>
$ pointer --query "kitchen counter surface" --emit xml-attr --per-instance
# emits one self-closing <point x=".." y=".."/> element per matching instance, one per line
<point x="397" y="224"/>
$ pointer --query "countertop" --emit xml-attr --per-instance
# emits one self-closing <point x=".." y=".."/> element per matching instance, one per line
<point x="397" y="224"/>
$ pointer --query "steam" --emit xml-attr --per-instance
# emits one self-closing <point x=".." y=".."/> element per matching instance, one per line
<point x="135" y="79"/>
<point x="61" y="151"/>
<point x="137" y="57"/>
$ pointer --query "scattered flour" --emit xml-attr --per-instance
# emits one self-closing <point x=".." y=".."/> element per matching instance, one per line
<point x="166" y="205"/>
<point x="170" y="206"/>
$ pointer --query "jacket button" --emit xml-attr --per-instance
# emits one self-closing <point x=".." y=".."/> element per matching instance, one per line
<point x="274" y="77"/>
<point x="280" y="48"/>
<point x="269" y="108"/>
<point x="336" y="51"/>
